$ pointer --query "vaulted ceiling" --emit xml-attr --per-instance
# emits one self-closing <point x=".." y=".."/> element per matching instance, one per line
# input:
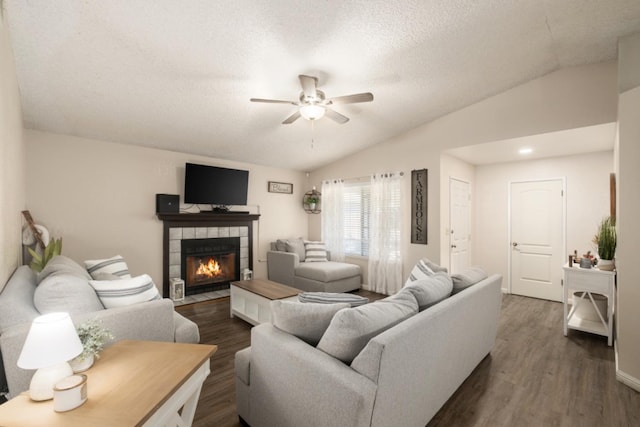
<point x="178" y="75"/>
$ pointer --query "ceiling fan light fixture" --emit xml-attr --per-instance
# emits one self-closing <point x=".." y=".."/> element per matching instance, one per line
<point x="312" y="111"/>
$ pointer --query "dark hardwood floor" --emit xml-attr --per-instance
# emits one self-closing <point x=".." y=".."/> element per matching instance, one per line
<point x="535" y="376"/>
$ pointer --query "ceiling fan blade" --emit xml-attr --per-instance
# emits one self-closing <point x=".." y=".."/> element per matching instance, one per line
<point x="309" y="85"/>
<point x="292" y="118"/>
<point x="336" y="117"/>
<point x="272" y="101"/>
<point x="351" y="99"/>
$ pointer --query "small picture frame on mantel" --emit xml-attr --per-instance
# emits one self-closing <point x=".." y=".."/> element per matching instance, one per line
<point x="280" y="187"/>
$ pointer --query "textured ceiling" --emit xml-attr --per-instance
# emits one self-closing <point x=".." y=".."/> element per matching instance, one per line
<point x="179" y="75"/>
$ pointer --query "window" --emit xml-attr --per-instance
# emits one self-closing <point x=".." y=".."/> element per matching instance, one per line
<point x="356" y="209"/>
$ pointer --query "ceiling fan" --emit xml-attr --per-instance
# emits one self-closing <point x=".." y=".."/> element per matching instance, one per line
<point x="313" y="104"/>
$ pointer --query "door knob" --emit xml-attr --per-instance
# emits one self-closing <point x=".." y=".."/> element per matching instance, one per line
<point x="514" y="244"/>
<point x="453" y="246"/>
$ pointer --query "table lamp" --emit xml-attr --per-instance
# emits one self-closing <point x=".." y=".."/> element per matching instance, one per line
<point x="51" y="342"/>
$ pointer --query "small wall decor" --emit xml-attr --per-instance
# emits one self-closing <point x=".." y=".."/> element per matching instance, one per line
<point x="311" y="201"/>
<point x="280" y="187"/>
<point x="419" y="205"/>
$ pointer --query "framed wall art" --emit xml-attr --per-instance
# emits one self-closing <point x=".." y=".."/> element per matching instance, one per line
<point x="280" y="187"/>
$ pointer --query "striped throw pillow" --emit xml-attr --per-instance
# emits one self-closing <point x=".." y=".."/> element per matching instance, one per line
<point x="121" y="292"/>
<point x="332" y="298"/>
<point x="314" y="251"/>
<point x="115" y="265"/>
<point x="420" y="271"/>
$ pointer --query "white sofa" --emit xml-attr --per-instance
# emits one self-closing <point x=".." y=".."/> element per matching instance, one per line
<point x="402" y="376"/>
<point x="66" y="288"/>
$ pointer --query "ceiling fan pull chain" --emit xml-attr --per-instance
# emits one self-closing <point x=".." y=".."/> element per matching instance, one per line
<point x="312" y="135"/>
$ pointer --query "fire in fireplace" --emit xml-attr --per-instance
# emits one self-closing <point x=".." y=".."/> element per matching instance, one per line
<point x="210" y="264"/>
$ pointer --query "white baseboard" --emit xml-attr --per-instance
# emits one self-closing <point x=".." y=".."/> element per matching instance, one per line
<point x="623" y="377"/>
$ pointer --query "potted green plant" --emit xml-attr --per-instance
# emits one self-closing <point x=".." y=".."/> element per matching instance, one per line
<point x="606" y="240"/>
<point x="38" y="261"/>
<point x="93" y="336"/>
<point x="312" y="201"/>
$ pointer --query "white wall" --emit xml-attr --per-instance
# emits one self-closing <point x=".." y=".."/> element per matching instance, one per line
<point x="100" y="198"/>
<point x="12" y="160"/>
<point x="627" y="265"/>
<point x="452" y="167"/>
<point x="566" y="99"/>
<point x="587" y="199"/>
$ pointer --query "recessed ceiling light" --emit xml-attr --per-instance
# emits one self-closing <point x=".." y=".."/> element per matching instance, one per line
<point x="526" y="150"/>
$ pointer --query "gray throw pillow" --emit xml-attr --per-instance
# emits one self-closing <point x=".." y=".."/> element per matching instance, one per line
<point x="351" y="329"/>
<point x="307" y="321"/>
<point x="63" y="265"/>
<point x="467" y="278"/>
<point x="66" y="292"/>
<point x="296" y="246"/>
<point x="281" y="245"/>
<point x="431" y="290"/>
<point x="16" y="299"/>
<point x="435" y="267"/>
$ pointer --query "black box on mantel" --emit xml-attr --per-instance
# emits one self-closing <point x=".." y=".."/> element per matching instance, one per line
<point x="167" y="203"/>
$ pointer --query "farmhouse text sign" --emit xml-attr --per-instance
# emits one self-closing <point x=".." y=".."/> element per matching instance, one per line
<point x="419" y="206"/>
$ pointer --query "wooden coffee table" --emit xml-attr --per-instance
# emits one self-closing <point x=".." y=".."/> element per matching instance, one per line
<point x="250" y="299"/>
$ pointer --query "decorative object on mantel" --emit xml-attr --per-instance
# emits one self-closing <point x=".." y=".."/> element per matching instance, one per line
<point x="606" y="240"/>
<point x="419" y="204"/>
<point x="311" y="201"/>
<point x="93" y="337"/>
<point x="280" y="187"/>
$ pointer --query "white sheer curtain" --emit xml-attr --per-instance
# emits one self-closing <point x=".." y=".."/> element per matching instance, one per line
<point x="385" y="233"/>
<point x="333" y="217"/>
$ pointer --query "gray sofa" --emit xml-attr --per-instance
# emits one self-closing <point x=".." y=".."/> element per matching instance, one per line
<point x="69" y="290"/>
<point x="286" y="264"/>
<point x="402" y="376"/>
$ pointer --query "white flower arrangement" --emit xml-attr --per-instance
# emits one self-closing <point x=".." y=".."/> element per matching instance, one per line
<point x="93" y="337"/>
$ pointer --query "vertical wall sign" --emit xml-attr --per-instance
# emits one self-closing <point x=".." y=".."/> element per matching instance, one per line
<point x="419" y="206"/>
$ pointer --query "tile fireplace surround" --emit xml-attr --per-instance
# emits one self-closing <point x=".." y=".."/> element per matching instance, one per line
<point x="203" y="226"/>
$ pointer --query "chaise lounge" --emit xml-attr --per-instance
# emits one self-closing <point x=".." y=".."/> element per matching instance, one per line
<point x="287" y="263"/>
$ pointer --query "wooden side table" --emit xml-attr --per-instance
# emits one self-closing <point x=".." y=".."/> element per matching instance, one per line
<point x="134" y="383"/>
<point x="588" y="281"/>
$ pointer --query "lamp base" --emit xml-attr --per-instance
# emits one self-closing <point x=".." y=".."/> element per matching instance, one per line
<point x="44" y="379"/>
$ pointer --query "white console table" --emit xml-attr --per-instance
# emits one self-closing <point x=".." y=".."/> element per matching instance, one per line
<point x="588" y="281"/>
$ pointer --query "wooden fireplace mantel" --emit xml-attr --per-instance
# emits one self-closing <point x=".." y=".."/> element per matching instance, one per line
<point x="206" y="219"/>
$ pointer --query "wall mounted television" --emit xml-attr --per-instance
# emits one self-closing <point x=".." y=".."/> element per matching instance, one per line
<point x="216" y="186"/>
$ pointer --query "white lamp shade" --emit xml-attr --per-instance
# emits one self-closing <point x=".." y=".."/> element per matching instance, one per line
<point x="312" y="111"/>
<point x="52" y="339"/>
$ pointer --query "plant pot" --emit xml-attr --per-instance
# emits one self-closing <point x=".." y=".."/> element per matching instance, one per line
<point x="606" y="264"/>
<point x="81" y="364"/>
<point x="312" y="206"/>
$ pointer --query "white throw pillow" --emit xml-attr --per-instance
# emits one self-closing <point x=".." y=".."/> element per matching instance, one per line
<point x="115" y="265"/>
<point x="420" y="271"/>
<point x="122" y="292"/>
<point x="314" y="251"/>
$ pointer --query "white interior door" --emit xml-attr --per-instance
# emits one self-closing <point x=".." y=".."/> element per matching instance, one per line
<point x="537" y="238"/>
<point x="460" y="225"/>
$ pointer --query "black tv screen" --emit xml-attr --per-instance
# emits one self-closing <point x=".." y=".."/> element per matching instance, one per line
<point x="213" y="185"/>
